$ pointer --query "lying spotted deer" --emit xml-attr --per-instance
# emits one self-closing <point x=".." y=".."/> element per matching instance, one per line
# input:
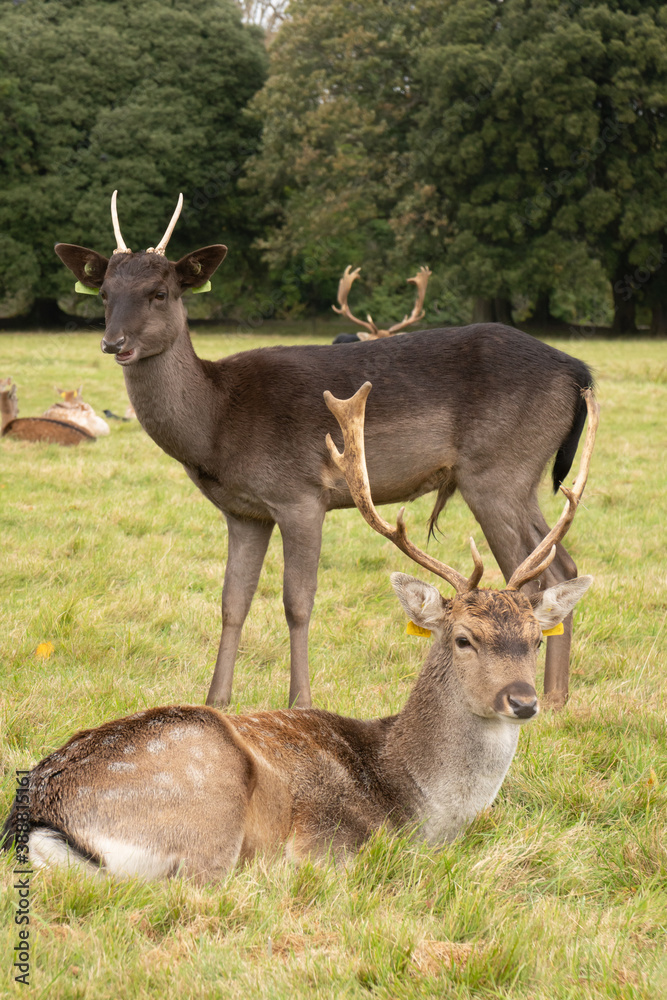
<point x="480" y="409"/>
<point x="49" y="428"/>
<point x="72" y="409"/>
<point x="192" y="791"/>
<point x="370" y="330"/>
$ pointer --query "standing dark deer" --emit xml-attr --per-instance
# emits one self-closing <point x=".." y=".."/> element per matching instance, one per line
<point x="479" y="408"/>
<point x="192" y="791"/>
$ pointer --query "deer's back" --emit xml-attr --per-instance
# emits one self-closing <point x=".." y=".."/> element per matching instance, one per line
<point x="482" y="391"/>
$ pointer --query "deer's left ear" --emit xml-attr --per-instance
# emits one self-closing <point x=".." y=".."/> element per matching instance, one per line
<point x="552" y="605"/>
<point x="196" y="268"/>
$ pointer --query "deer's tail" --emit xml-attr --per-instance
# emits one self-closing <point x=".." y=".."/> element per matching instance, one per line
<point x="445" y="491"/>
<point x="568" y="449"/>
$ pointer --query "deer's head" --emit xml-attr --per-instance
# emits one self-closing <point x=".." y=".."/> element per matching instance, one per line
<point x="487" y="639"/>
<point x="490" y="639"/>
<point x="142" y="292"/>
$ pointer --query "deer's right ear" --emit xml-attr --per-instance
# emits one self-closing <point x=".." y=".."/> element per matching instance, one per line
<point x="196" y="268"/>
<point x="422" y="603"/>
<point x="88" y="266"/>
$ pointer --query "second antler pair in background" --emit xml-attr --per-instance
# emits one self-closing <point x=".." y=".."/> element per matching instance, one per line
<point x="190" y="791"/>
<point x="480" y="409"/>
<point x="370" y="330"/>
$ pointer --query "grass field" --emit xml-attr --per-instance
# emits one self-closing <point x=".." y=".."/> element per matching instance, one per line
<point x="559" y="891"/>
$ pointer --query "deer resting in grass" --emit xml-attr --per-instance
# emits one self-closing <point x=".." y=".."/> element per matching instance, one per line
<point x="480" y="408"/>
<point x="192" y="791"/>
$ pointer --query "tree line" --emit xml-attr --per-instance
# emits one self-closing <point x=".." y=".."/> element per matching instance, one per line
<point x="517" y="147"/>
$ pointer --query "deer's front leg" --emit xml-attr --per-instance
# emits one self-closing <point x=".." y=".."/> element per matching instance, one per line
<point x="302" y="540"/>
<point x="247" y="545"/>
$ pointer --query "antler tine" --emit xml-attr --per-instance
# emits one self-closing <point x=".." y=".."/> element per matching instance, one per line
<point x="344" y="286"/>
<point x="421" y="281"/>
<point x="162" y="245"/>
<point x="120" y="242"/>
<point x="352" y="463"/>
<point x="542" y="556"/>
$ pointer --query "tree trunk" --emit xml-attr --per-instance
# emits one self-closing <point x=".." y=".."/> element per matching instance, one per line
<point x="503" y="311"/>
<point x="541" y="310"/>
<point x="659" y="319"/>
<point x="483" y="310"/>
<point x="624" y="304"/>
<point x="497" y="310"/>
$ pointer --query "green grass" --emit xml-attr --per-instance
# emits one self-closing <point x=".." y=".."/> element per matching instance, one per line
<point x="559" y="891"/>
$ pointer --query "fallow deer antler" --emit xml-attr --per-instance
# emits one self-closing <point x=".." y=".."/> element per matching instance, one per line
<point x="120" y="242"/>
<point x="421" y="281"/>
<point x="344" y="286"/>
<point x="352" y="463"/>
<point x="162" y="245"/>
<point x="544" y="553"/>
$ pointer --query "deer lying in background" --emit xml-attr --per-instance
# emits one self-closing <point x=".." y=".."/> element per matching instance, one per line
<point x="480" y="408"/>
<point x="46" y="429"/>
<point x="72" y="409"/>
<point x="192" y="791"/>
<point x="371" y="331"/>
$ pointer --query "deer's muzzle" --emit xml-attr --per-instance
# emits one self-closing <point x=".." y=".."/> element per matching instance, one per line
<point x="517" y="700"/>
<point x="113" y="346"/>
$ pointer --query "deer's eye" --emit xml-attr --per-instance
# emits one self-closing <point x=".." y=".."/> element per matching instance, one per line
<point x="462" y="642"/>
<point x="160" y="296"/>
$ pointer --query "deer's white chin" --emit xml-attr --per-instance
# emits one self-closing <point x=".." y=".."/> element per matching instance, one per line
<point x="127" y="357"/>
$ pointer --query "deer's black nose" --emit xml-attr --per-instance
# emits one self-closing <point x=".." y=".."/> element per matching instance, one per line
<point x="523" y="707"/>
<point x="113" y="347"/>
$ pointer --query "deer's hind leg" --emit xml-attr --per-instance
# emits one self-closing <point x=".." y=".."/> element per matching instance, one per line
<point x="513" y="526"/>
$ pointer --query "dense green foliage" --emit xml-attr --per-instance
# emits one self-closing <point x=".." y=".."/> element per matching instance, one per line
<point x="518" y="147"/>
<point x="148" y="98"/>
<point x="544" y="137"/>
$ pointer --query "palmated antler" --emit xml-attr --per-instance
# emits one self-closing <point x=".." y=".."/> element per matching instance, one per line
<point x="120" y="242"/>
<point x="541" y="557"/>
<point x="162" y="245"/>
<point x="352" y="463"/>
<point x="344" y="286"/>
<point x="421" y="281"/>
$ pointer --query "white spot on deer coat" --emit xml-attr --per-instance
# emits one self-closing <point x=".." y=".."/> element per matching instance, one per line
<point x="154" y="746"/>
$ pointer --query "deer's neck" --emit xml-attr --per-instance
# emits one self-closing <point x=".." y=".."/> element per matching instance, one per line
<point x="450" y="761"/>
<point x="175" y="402"/>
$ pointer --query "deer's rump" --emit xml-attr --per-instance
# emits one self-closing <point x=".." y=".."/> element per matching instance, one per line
<point x="447" y="405"/>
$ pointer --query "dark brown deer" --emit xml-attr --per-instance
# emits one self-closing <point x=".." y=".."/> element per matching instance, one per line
<point x="370" y="330"/>
<point x="192" y="791"/>
<point x="479" y="408"/>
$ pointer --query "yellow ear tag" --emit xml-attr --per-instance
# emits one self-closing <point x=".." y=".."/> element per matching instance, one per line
<point x="556" y="630"/>
<point x="206" y="287"/>
<point x="412" y="629"/>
